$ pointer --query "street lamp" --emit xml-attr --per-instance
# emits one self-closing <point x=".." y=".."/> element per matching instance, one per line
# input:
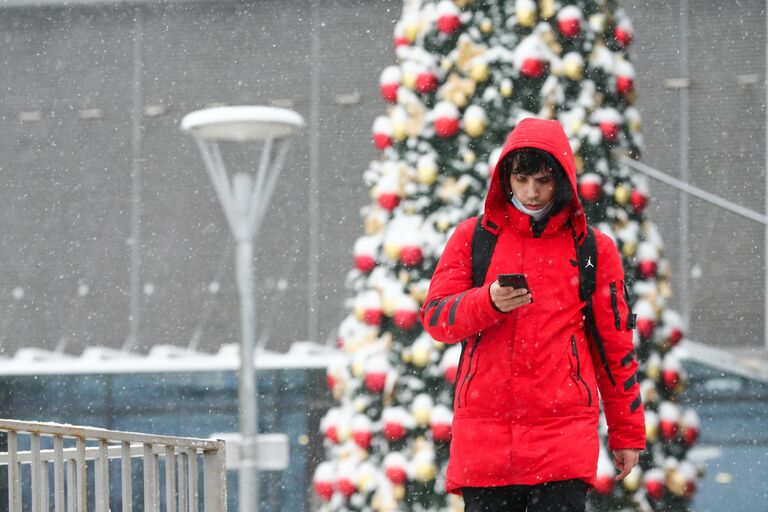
<point x="245" y="200"/>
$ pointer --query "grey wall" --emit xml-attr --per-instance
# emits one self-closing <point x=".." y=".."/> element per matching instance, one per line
<point x="726" y="154"/>
<point x="71" y="183"/>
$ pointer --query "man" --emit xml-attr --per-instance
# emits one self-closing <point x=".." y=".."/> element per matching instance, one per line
<point x="526" y="398"/>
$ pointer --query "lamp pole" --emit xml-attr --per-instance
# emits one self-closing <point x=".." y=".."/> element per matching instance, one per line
<point x="244" y="200"/>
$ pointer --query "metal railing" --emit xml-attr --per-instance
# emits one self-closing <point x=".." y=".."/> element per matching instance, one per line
<point x="76" y="452"/>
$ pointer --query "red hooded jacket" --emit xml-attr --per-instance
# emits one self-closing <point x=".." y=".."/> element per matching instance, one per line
<point x="526" y="399"/>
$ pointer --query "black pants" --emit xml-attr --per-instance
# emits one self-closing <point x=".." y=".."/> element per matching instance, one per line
<point x="565" y="496"/>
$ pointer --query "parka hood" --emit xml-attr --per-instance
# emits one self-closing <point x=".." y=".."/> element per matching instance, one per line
<point x="546" y="135"/>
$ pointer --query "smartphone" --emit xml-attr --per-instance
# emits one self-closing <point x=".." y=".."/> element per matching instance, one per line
<point x="513" y="280"/>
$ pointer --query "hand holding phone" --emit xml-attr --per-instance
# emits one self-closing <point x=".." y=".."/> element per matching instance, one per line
<point x="513" y="280"/>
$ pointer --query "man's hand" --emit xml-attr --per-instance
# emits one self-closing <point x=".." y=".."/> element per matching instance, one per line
<point x="625" y="460"/>
<point x="507" y="298"/>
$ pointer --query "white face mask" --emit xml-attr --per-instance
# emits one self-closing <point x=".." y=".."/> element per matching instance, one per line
<point x="536" y="214"/>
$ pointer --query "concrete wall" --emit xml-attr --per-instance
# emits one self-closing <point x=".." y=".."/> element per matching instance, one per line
<point x="92" y="97"/>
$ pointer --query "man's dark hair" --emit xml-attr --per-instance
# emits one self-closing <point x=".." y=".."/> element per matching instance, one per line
<point x="529" y="161"/>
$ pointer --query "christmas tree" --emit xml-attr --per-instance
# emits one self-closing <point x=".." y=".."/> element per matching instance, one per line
<point x="467" y="71"/>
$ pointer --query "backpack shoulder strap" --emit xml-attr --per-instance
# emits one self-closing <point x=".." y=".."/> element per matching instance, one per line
<point x="483" y="243"/>
<point x="586" y="254"/>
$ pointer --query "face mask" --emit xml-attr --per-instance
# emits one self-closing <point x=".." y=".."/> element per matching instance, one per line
<point x="536" y="214"/>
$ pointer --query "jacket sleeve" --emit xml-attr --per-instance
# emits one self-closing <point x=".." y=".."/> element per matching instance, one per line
<point x="620" y="391"/>
<point x="454" y="309"/>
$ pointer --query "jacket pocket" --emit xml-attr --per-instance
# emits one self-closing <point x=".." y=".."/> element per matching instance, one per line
<point x="463" y="387"/>
<point x="615" y="306"/>
<point x="577" y="376"/>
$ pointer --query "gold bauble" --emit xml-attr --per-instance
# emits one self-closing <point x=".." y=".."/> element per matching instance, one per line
<point x="633" y="480"/>
<point x="526" y="17"/>
<point x="403" y="276"/>
<point x="486" y="27"/>
<point x="425" y="471"/>
<point x="574" y="70"/>
<point x="421" y="416"/>
<point x="506" y="88"/>
<point x="392" y="251"/>
<point x="469" y="157"/>
<point x="621" y="195"/>
<point x="409" y="80"/>
<point x="665" y="290"/>
<point x="443" y="224"/>
<point x="373" y="223"/>
<point x="426" y="174"/>
<point x="547" y="9"/>
<point x="597" y="22"/>
<point x="419" y="294"/>
<point x="407" y="355"/>
<point x="474" y="127"/>
<point x="676" y="482"/>
<point x="579" y="163"/>
<point x="359" y="313"/>
<point x="399" y="492"/>
<point x="420" y="357"/>
<point x="399" y="131"/>
<point x="411" y="30"/>
<point x="388" y="305"/>
<point x="480" y="71"/>
<point x="357" y="369"/>
<point x="628" y="249"/>
<point x="343" y="432"/>
<point x="461" y="4"/>
<point x="446" y="64"/>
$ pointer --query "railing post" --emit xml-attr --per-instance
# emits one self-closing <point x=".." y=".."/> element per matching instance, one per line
<point x="14" y="479"/>
<point x="126" y="473"/>
<point x="35" y="443"/>
<point x="58" y="474"/>
<point x="170" y="479"/>
<point x="150" y="479"/>
<point x="102" y="478"/>
<point x="194" y="495"/>
<point x="82" y="505"/>
<point x="215" y="479"/>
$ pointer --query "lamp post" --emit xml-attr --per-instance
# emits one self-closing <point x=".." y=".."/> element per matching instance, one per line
<point x="244" y="199"/>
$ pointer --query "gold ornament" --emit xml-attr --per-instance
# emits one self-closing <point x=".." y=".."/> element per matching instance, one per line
<point x="420" y="357"/>
<point x="407" y="355"/>
<point x="486" y="27"/>
<point x="412" y="29"/>
<point x="409" y="80"/>
<point x="461" y="4"/>
<point x="388" y="305"/>
<point x="466" y="53"/>
<point x="457" y="90"/>
<point x="579" y="164"/>
<point x="443" y="224"/>
<point x="400" y="130"/>
<point x="526" y="17"/>
<point x="665" y="290"/>
<point x="403" y="276"/>
<point x="633" y="480"/>
<point x="547" y="9"/>
<point x="628" y="249"/>
<point x="474" y="127"/>
<point x="399" y="492"/>
<point x="421" y="415"/>
<point x="469" y="156"/>
<point x="574" y="70"/>
<point x="425" y="471"/>
<point x="549" y="38"/>
<point x="359" y="312"/>
<point x="417" y="115"/>
<point x="392" y="251"/>
<point x="621" y="195"/>
<point x="676" y="482"/>
<point x="480" y="71"/>
<point x="597" y="22"/>
<point x="506" y="88"/>
<point x="427" y="172"/>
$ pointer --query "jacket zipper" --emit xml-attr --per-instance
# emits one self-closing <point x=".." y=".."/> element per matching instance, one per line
<point x="578" y="371"/>
<point x="468" y="375"/>
<point x="615" y="306"/>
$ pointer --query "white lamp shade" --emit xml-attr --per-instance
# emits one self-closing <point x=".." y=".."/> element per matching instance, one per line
<point x="241" y="123"/>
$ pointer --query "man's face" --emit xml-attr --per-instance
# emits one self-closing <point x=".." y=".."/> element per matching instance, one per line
<point x="534" y="191"/>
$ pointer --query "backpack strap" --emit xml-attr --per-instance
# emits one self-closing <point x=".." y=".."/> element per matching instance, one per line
<point x="483" y="243"/>
<point x="586" y="254"/>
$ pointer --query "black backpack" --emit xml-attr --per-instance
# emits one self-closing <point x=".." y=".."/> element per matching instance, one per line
<point x="483" y="243"/>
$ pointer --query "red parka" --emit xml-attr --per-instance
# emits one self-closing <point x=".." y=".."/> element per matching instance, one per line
<point x="526" y="399"/>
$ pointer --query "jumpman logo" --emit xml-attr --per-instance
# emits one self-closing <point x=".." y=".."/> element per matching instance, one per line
<point x="589" y="263"/>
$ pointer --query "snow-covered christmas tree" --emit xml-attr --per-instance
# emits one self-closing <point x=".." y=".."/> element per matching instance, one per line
<point x="466" y="72"/>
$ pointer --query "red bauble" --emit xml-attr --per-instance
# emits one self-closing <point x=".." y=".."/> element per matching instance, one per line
<point x="569" y="28"/>
<point x="389" y="200"/>
<point x="624" y="85"/>
<point x="533" y="68"/>
<point x="675" y="336"/>
<point x="668" y="429"/>
<point x="639" y="201"/>
<point x="450" y="373"/>
<point x="324" y="490"/>
<point x="405" y="320"/>
<point x="389" y="92"/>
<point x="647" y="269"/>
<point x="362" y="439"/>
<point x="690" y="435"/>
<point x="393" y="431"/>
<point x="396" y="475"/>
<point x="654" y="489"/>
<point x="590" y="191"/>
<point x="346" y="487"/>
<point x="610" y="130"/>
<point x="603" y="484"/>
<point x="448" y="23"/>
<point x="375" y="381"/>
<point x="373" y="317"/>
<point x="382" y="141"/>
<point x="441" y="432"/>
<point x="426" y="83"/>
<point x="401" y="41"/>
<point x="446" y="127"/>
<point x="623" y="37"/>
<point x="645" y="327"/>
<point x="331" y="381"/>
<point x="411" y="256"/>
<point x="670" y="378"/>
<point x="364" y="263"/>
<point x="332" y="435"/>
